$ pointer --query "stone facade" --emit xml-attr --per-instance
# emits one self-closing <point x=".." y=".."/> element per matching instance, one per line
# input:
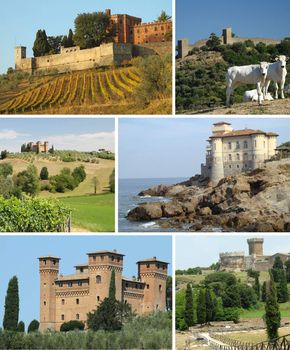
<point x="71" y="59"/>
<point x="256" y="260"/>
<point x="231" y="152"/>
<point x="37" y="147"/>
<point x="226" y="38"/>
<point x="71" y="297"/>
<point x="154" y="32"/>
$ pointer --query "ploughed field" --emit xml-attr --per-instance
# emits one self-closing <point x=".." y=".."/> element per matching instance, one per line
<point x="90" y="91"/>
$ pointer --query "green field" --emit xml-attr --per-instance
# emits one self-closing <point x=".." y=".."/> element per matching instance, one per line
<point x="255" y="336"/>
<point x="260" y="311"/>
<point x="92" y="213"/>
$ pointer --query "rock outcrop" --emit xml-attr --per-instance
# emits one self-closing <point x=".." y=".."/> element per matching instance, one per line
<point x="252" y="202"/>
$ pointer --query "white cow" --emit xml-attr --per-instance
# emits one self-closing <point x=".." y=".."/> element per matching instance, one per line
<point x="277" y="72"/>
<point x="241" y="75"/>
<point x="252" y="95"/>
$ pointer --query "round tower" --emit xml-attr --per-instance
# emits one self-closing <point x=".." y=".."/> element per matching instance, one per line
<point x="217" y="166"/>
<point x="256" y="246"/>
<point x="48" y="270"/>
<point x="258" y="150"/>
<point x="100" y="267"/>
<point x="153" y="273"/>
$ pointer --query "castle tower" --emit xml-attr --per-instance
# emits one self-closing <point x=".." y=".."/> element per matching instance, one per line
<point x="256" y="246"/>
<point x="48" y="270"/>
<point x="182" y="48"/>
<point x="258" y="150"/>
<point x="153" y="272"/>
<point x="45" y="147"/>
<point x="19" y="54"/>
<point x="217" y="167"/>
<point x="100" y="267"/>
<point x="227" y="36"/>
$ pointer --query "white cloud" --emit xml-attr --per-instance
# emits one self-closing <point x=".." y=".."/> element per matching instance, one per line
<point x="10" y="134"/>
<point x="83" y="142"/>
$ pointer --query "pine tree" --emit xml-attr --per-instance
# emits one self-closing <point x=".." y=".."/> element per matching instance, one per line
<point x="188" y="310"/>
<point x="11" y="314"/>
<point x="163" y="17"/>
<point x="264" y="292"/>
<point x="201" y="307"/>
<point x="272" y="316"/>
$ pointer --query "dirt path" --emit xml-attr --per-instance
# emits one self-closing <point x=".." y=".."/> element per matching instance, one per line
<point x="268" y="107"/>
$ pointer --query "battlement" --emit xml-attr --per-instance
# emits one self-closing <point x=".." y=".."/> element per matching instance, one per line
<point x="232" y="254"/>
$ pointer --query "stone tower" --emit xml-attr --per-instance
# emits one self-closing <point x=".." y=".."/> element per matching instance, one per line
<point x="256" y="246"/>
<point x="153" y="273"/>
<point x="19" y="54"/>
<point x="48" y="270"/>
<point x="100" y="267"/>
<point x="228" y="36"/>
<point x="182" y="48"/>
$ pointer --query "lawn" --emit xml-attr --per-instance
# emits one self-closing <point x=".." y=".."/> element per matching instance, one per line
<point x="92" y="213"/>
<point x="260" y="311"/>
<point x="255" y="336"/>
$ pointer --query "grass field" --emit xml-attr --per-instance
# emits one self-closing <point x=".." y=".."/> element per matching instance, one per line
<point x="256" y="336"/>
<point x="92" y="213"/>
<point x="260" y="311"/>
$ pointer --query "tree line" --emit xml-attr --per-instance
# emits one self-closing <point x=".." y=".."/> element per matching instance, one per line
<point x="222" y="297"/>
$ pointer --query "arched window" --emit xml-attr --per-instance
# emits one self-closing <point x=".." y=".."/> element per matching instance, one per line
<point x="77" y="316"/>
<point x="160" y="288"/>
<point x="230" y="157"/>
<point x="229" y="145"/>
<point x="245" y="156"/>
<point x="238" y="156"/>
<point x="245" y="144"/>
<point x="238" y="145"/>
<point x="98" y="279"/>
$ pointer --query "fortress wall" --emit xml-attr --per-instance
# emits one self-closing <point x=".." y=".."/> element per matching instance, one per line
<point x="147" y="49"/>
<point x="72" y="60"/>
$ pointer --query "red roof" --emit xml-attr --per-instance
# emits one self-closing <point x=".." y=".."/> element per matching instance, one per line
<point x="243" y="132"/>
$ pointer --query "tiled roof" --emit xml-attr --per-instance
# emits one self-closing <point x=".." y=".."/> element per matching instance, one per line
<point x="243" y="132"/>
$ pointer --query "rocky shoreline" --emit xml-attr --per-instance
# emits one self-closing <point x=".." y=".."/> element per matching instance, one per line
<point x="258" y="201"/>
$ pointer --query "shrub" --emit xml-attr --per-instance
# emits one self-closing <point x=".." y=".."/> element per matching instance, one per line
<point x="72" y="325"/>
<point x="79" y="174"/>
<point x="44" y="173"/>
<point x="33" y="326"/>
<point x="6" y="169"/>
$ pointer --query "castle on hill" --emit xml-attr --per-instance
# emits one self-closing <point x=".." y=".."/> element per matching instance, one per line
<point x="256" y="260"/>
<point x="227" y="38"/>
<point x="37" y="147"/>
<point x="231" y="152"/>
<point x="132" y="39"/>
<point x="72" y="297"/>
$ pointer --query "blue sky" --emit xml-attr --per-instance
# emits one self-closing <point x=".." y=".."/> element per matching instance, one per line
<point x="84" y="134"/>
<point x="20" y="20"/>
<point x="163" y="148"/>
<point x="197" y="19"/>
<point x="19" y="257"/>
<point x="204" y="250"/>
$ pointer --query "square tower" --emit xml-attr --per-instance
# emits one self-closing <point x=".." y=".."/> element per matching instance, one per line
<point x="48" y="270"/>
<point x="19" y="54"/>
<point x="228" y="36"/>
<point x="153" y="273"/>
<point x="256" y="246"/>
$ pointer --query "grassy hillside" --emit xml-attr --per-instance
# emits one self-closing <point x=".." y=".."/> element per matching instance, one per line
<point x="201" y="82"/>
<point x="105" y="91"/>
<point x="102" y="171"/>
<point x="90" y="212"/>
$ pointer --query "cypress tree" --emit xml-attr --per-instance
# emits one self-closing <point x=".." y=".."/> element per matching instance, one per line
<point x="33" y="326"/>
<point x="41" y="45"/>
<point x="201" y="307"/>
<point x="188" y="311"/>
<point x="11" y="314"/>
<point x="112" y="288"/>
<point x="21" y="327"/>
<point x="272" y="316"/>
<point x="277" y="266"/>
<point x="257" y="286"/>
<point x="287" y="265"/>
<point x="264" y="292"/>
<point x="279" y="277"/>
<point x="209" y="306"/>
<point x="70" y="39"/>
